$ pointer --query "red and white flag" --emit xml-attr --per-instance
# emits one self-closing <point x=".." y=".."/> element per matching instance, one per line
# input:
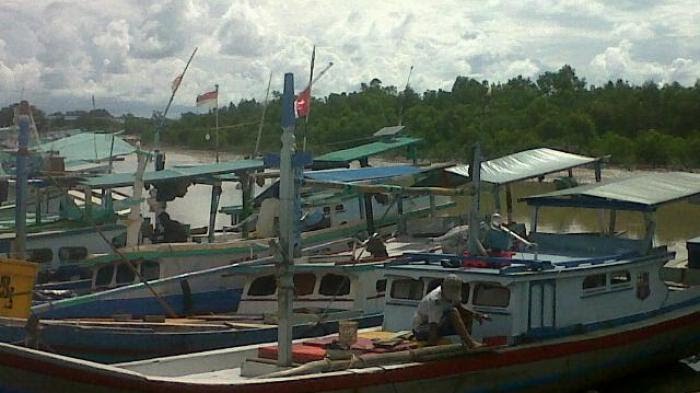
<point x="209" y="99"/>
<point x="302" y="103"/>
<point x="176" y="83"/>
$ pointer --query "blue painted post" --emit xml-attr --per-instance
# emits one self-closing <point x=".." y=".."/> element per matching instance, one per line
<point x="285" y="286"/>
<point x="22" y="177"/>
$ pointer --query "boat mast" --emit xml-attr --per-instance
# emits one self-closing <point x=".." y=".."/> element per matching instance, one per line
<point x="285" y="285"/>
<point x="22" y="177"/>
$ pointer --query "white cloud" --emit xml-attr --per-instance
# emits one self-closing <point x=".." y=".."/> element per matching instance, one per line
<point x="60" y="52"/>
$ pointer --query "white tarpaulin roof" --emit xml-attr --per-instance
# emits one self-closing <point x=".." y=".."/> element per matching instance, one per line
<point x="642" y="192"/>
<point x="525" y="165"/>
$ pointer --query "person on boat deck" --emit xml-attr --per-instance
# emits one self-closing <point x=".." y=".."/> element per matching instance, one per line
<point x="495" y="239"/>
<point x="441" y="313"/>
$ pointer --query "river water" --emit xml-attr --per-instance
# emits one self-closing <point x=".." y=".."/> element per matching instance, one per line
<point x="676" y="223"/>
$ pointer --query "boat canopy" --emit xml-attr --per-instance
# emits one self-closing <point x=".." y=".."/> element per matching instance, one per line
<point x="525" y="165"/>
<point x="642" y="192"/>
<point x="87" y="147"/>
<point x="199" y="172"/>
<point x="362" y="174"/>
<point x="364" y="151"/>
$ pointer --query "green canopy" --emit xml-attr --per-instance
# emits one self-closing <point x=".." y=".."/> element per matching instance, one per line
<point x="87" y="146"/>
<point x="368" y="150"/>
<point x="177" y="173"/>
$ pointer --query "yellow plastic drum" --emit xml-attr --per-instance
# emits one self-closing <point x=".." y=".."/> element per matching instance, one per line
<point x="16" y="283"/>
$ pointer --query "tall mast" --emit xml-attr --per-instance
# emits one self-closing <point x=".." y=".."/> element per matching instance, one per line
<point x="156" y="137"/>
<point x="403" y="100"/>
<point x="285" y="290"/>
<point x="22" y="176"/>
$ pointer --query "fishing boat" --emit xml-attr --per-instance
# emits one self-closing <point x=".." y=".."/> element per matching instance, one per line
<point x="327" y="290"/>
<point x="578" y="309"/>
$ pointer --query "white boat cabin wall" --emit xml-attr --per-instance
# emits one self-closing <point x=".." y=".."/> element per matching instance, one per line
<point x="572" y="283"/>
<point x="319" y="289"/>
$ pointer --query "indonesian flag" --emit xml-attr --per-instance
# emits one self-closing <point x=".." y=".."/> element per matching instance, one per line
<point x="176" y="82"/>
<point x="209" y="99"/>
<point x="302" y="103"/>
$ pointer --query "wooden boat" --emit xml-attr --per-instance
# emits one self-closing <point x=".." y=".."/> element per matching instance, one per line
<point x="326" y="293"/>
<point x="577" y="310"/>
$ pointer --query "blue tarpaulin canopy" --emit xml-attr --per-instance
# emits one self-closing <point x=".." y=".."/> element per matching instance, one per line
<point x="641" y="192"/>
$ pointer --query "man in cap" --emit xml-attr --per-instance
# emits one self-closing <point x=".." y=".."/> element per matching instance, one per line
<point x="496" y="238"/>
<point x="441" y="313"/>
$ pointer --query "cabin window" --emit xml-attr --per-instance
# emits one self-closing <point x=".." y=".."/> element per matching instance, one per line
<point x="263" y="286"/>
<point x="620" y="278"/>
<point x="434" y="283"/>
<point x="150" y="270"/>
<point x="104" y="275"/>
<point x="72" y="254"/>
<point x="407" y="288"/>
<point x="304" y="284"/>
<point x="380" y="286"/>
<point x="40" y="255"/>
<point x="339" y="208"/>
<point x="125" y="275"/>
<point x="491" y="295"/>
<point x="593" y="282"/>
<point x="334" y="285"/>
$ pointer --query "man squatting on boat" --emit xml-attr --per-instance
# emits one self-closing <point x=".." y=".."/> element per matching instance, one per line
<point x="441" y="313"/>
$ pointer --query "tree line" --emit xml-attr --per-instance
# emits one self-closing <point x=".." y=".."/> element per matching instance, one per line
<point x="637" y="125"/>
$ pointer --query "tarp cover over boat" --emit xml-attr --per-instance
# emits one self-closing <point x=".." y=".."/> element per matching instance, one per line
<point x="525" y="165"/>
<point x="641" y="192"/>
<point x="176" y="173"/>
<point x="88" y="146"/>
<point x="367" y="150"/>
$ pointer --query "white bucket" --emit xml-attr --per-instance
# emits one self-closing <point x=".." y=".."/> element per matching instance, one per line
<point x="347" y="333"/>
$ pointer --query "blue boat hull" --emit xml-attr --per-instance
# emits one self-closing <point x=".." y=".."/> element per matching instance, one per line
<point x="202" y="302"/>
<point x="112" y="345"/>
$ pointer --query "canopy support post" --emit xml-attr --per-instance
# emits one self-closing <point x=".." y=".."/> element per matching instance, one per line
<point x="214" y="207"/>
<point x="509" y="204"/>
<point x="37" y="206"/>
<point x="247" y="186"/>
<point x="401" y="227"/>
<point x="533" y="219"/>
<point x="497" y="198"/>
<point x="613" y="218"/>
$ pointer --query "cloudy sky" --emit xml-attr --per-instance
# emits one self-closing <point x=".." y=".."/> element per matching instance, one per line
<point x="126" y="52"/>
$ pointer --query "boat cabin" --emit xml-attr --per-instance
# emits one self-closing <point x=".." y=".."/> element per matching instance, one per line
<point x="318" y="288"/>
<point x="566" y="282"/>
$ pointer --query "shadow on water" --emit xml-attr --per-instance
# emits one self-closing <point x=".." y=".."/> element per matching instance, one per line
<point x="672" y="378"/>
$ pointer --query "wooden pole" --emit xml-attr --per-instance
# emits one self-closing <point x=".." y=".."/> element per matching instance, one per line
<point x="285" y="285"/>
<point x="216" y="123"/>
<point x="22" y="178"/>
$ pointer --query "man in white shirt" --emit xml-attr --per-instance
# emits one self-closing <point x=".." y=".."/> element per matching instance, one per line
<point x="441" y="313"/>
